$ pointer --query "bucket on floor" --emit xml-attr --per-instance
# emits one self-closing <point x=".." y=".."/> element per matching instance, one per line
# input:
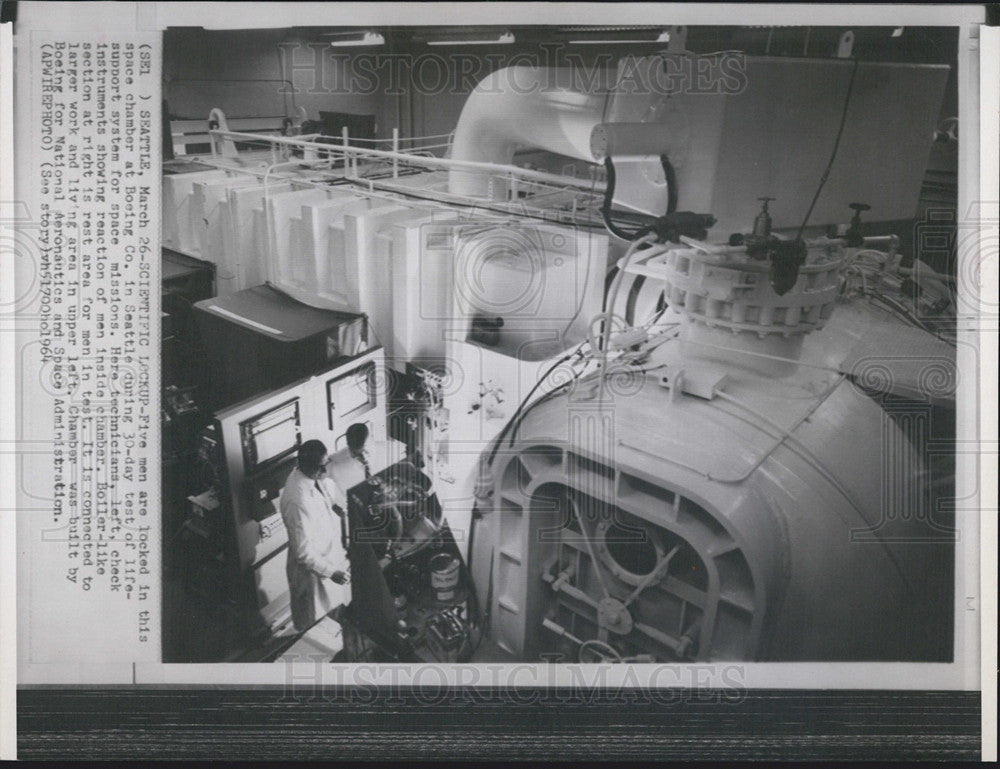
<point x="444" y="576"/>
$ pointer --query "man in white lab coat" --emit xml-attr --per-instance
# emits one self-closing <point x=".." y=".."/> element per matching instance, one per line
<point x="317" y="563"/>
<point x="361" y="458"/>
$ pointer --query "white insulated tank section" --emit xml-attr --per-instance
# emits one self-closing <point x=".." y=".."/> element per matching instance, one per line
<point x="786" y="552"/>
<point x="706" y="507"/>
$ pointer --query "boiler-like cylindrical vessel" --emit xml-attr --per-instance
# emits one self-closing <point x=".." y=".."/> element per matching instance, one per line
<point x="773" y="523"/>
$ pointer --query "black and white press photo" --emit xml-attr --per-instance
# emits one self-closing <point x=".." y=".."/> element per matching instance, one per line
<point x="580" y="379"/>
<point x="561" y="344"/>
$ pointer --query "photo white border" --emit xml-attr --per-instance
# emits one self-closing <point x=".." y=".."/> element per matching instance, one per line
<point x="989" y="351"/>
<point x="975" y="631"/>
<point x="8" y="406"/>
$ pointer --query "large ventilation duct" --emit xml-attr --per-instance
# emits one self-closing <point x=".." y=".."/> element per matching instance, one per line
<point x="521" y="107"/>
<point x="735" y="128"/>
<point x="530" y="107"/>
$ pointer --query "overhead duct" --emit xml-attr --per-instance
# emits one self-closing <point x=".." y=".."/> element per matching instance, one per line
<point x="521" y="107"/>
<point x="735" y="128"/>
<point x="529" y="107"/>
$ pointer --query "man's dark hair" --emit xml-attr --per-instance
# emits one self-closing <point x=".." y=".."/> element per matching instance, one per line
<point x="357" y="434"/>
<point x="311" y="456"/>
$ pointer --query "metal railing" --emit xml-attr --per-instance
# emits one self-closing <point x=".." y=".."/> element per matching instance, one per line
<point x="319" y="160"/>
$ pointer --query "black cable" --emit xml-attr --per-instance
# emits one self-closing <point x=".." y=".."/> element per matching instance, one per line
<point x="609" y="189"/>
<point x="609" y="193"/>
<point x="659" y="314"/>
<point x="669" y="175"/>
<point x="513" y="417"/>
<point x="547" y="397"/>
<point x="833" y="154"/>
<point x="671" y="179"/>
<point x="562" y="388"/>
<point x="608" y="280"/>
